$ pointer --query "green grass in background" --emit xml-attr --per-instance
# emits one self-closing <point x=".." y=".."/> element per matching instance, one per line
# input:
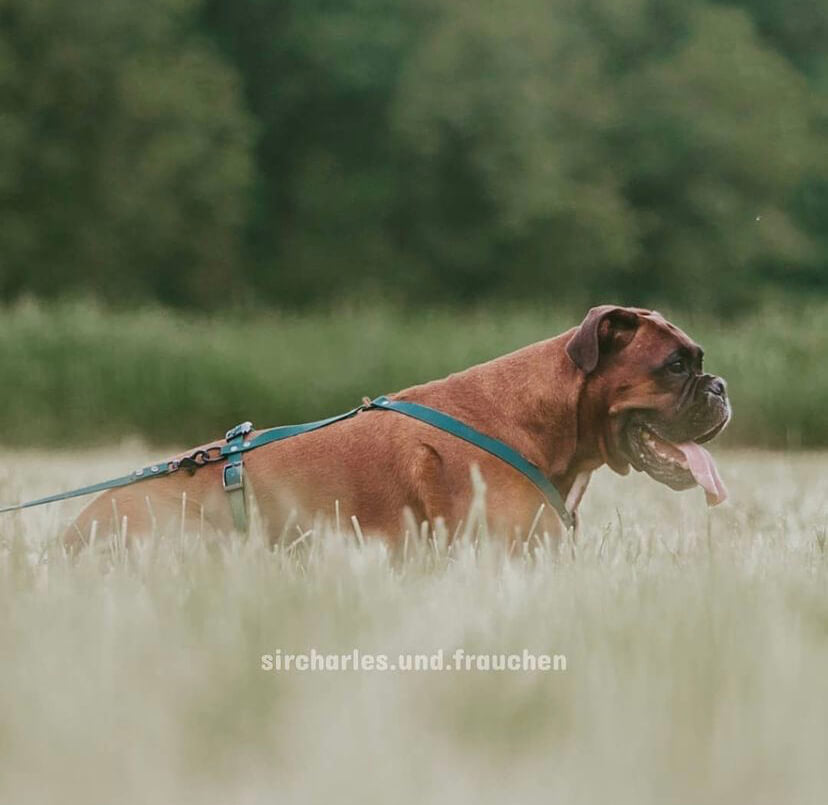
<point x="74" y="373"/>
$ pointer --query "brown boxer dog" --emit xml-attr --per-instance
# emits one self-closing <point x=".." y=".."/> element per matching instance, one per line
<point x="624" y="388"/>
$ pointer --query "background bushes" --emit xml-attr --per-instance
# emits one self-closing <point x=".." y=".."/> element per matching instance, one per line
<point x="292" y="152"/>
<point x="76" y="374"/>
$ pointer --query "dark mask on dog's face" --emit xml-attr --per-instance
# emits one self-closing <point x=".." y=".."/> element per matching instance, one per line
<point x="645" y="377"/>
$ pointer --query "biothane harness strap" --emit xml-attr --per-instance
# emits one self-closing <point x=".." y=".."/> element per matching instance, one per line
<point x="237" y="444"/>
<point x="501" y="450"/>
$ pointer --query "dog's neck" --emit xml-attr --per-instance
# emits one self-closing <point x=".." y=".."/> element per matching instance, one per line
<point x="529" y="399"/>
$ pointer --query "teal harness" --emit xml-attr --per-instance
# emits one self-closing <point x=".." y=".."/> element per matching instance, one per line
<point x="237" y="442"/>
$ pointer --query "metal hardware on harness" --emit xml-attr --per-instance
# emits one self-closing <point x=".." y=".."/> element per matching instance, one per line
<point x="239" y="430"/>
<point x="238" y="441"/>
<point x="199" y="458"/>
<point x="233" y="477"/>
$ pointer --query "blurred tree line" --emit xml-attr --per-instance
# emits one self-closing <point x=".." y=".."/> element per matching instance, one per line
<point x="206" y="152"/>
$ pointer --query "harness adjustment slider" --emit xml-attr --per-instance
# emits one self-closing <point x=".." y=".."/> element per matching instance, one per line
<point x="233" y="477"/>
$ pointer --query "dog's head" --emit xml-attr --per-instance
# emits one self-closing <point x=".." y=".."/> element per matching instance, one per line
<point x="649" y="398"/>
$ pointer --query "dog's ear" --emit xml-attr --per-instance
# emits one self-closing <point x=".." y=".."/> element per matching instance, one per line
<point x="605" y="329"/>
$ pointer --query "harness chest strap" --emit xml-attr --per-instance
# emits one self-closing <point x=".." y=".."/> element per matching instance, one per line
<point x="501" y="450"/>
<point x="232" y="476"/>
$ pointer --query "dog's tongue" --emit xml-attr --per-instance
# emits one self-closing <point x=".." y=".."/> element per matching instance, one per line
<point x="704" y="470"/>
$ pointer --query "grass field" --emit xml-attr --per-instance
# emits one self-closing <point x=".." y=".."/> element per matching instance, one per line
<point x="696" y="647"/>
<point x="78" y="374"/>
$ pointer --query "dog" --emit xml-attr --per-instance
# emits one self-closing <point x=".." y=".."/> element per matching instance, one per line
<point x="624" y="388"/>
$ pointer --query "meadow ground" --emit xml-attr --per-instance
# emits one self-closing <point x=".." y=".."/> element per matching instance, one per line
<point x="696" y="647"/>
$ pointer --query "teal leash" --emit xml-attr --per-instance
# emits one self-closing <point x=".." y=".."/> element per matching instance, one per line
<point x="237" y="443"/>
<point x="152" y="471"/>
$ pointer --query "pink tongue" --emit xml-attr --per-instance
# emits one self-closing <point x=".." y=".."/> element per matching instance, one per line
<point x="704" y="471"/>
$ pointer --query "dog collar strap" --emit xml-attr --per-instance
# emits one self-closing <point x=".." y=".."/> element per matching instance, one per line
<point x="501" y="450"/>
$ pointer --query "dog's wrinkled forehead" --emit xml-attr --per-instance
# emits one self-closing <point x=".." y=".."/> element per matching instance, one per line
<point x="615" y="338"/>
<point x="666" y="334"/>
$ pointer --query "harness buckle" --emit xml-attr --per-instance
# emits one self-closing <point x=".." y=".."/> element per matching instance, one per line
<point x="232" y="477"/>
<point x="240" y="430"/>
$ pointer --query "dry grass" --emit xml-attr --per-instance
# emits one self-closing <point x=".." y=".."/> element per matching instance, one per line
<point x="696" y="642"/>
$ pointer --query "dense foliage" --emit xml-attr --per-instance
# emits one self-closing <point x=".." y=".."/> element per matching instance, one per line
<point x="209" y="151"/>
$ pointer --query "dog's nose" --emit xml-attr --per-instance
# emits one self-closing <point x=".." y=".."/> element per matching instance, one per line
<point x="717" y="386"/>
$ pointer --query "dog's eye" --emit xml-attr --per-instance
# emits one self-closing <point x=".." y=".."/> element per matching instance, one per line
<point x="677" y="367"/>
